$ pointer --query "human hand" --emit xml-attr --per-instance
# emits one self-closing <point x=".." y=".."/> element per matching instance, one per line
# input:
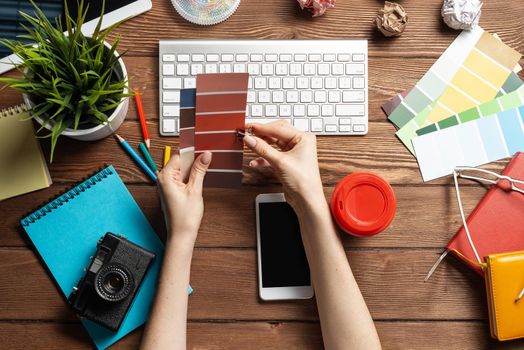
<point x="295" y="165"/>
<point x="182" y="203"/>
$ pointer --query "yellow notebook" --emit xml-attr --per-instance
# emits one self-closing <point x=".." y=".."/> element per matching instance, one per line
<point x="22" y="165"/>
<point x="504" y="275"/>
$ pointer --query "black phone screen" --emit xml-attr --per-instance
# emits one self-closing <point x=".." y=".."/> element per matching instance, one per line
<point x="283" y="258"/>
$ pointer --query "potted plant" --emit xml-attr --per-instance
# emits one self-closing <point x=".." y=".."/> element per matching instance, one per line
<point x="74" y="85"/>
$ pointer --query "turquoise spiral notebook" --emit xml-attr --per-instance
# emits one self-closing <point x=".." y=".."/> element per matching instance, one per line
<point x="66" y="230"/>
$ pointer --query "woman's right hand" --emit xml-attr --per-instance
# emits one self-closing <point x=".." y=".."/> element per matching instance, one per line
<point x="295" y="164"/>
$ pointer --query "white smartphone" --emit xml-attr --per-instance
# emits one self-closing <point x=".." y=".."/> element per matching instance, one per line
<point x="283" y="270"/>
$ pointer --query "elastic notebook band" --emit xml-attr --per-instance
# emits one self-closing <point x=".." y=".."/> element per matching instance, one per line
<point x="66" y="197"/>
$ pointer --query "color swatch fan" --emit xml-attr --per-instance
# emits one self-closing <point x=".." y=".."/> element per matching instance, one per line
<point x="206" y="12"/>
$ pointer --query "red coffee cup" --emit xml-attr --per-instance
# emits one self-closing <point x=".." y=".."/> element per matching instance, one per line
<point x="363" y="204"/>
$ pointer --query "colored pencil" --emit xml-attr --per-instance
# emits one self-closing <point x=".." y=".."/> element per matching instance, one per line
<point x="147" y="157"/>
<point x="142" y="117"/>
<point x="136" y="157"/>
<point x="167" y="154"/>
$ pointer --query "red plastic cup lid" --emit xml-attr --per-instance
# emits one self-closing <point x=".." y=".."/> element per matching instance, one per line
<point x="363" y="204"/>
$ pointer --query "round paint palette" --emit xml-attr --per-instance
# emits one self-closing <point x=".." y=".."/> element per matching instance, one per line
<point x="205" y="12"/>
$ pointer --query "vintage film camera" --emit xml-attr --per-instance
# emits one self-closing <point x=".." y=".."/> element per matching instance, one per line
<point x="111" y="281"/>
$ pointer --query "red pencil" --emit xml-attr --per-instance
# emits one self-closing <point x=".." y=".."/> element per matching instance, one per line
<point x="142" y="117"/>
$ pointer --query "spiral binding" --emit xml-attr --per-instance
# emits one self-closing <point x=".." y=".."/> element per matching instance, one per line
<point x="12" y="111"/>
<point x="66" y="197"/>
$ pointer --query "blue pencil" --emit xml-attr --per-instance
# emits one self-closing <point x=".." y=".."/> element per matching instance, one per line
<point x="136" y="157"/>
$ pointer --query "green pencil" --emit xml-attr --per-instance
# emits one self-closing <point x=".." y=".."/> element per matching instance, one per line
<point x="148" y="157"/>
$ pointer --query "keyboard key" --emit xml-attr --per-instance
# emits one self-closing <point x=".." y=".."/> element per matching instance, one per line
<point x="359" y="128"/>
<point x="337" y="69"/>
<point x="274" y="83"/>
<point x="359" y="83"/>
<point x="168" y="69"/>
<point x="344" y="121"/>
<point x="317" y="83"/>
<point x="255" y="57"/>
<point x="169" y="125"/>
<point x="227" y="57"/>
<point x="281" y="69"/>
<point x="250" y="83"/>
<point x="349" y="110"/>
<point x="355" y="68"/>
<point x="331" y="128"/>
<point x="327" y="110"/>
<point x="239" y="68"/>
<point x="256" y="110"/>
<point x="225" y="68"/>
<point x="171" y="111"/>
<point x="313" y="110"/>
<point x="301" y="124"/>
<point x="271" y="111"/>
<point x="182" y="58"/>
<point x="260" y="83"/>
<point x="292" y="96"/>
<point x="315" y="57"/>
<point x="278" y="96"/>
<point x="359" y="57"/>
<point x="299" y="110"/>
<point x="330" y="83"/>
<point x="300" y="57"/>
<point x="189" y="83"/>
<point x="268" y="69"/>
<point x="253" y="69"/>
<point x="285" y="57"/>
<point x="329" y="57"/>
<point x="264" y="96"/>
<point x="285" y="110"/>
<point x="197" y="57"/>
<point x="251" y="96"/>
<point x="353" y="96"/>
<point x="171" y="96"/>
<point x="247" y="111"/>
<point x="334" y="96"/>
<point x="344" y="83"/>
<point x="295" y="69"/>
<point x="317" y="125"/>
<point x="302" y="83"/>
<point x="270" y="57"/>
<point x="288" y="83"/>
<point x="197" y="69"/>
<point x="172" y="83"/>
<point x="212" y="58"/>
<point x="306" y="96"/>
<point x="323" y="69"/>
<point x="168" y="58"/>
<point x="320" y="96"/>
<point x="242" y="57"/>
<point x="344" y="128"/>
<point x="182" y="69"/>
<point x="211" y="68"/>
<point x="310" y="69"/>
<point x="343" y="57"/>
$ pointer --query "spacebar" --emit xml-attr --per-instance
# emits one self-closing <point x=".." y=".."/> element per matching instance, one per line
<point x="265" y="120"/>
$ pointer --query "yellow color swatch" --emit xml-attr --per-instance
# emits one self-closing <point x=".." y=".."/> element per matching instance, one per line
<point x="497" y="50"/>
<point x="486" y="68"/>
<point x="474" y="86"/>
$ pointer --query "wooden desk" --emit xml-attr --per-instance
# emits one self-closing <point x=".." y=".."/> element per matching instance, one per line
<point x="448" y="312"/>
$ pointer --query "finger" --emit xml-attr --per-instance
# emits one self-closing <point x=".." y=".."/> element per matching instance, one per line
<point x="280" y="130"/>
<point x="199" y="169"/>
<point x="172" y="168"/>
<point x="259" y="163"/>
<point x="273" y="141"/>
<point x="262" y="148"/>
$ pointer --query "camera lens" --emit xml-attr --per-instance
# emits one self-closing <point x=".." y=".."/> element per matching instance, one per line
<point x="114" y="283"/>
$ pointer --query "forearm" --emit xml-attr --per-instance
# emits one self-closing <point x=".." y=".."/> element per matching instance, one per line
<point x="166" y="328"/>
<point x="344" y="316"/>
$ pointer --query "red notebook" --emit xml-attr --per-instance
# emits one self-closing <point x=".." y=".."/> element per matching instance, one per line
<point x="496" y="225"/>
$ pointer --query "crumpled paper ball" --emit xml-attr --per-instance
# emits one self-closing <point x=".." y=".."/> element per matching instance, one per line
<point x="392" y="19"/>
<point x="461" y="14"/>
<point x="318" y="7"/>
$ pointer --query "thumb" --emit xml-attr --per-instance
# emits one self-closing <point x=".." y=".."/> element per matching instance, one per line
<point x="199" y="169"/>
<point x="262" y="148"/>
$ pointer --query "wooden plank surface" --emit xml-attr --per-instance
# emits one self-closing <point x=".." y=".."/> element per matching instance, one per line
<point x="448" y="312"/>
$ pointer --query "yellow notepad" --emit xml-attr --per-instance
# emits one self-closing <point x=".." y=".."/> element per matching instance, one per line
<point x="22" y="165"/>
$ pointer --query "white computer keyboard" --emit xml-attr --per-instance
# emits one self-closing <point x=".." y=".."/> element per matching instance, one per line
<point x="317" y="85"/>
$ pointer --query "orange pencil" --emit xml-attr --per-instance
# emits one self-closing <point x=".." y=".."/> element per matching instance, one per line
<point x="142" y="117"/>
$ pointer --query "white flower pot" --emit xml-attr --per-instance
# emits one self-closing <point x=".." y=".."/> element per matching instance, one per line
<point x="100" y="131"/>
